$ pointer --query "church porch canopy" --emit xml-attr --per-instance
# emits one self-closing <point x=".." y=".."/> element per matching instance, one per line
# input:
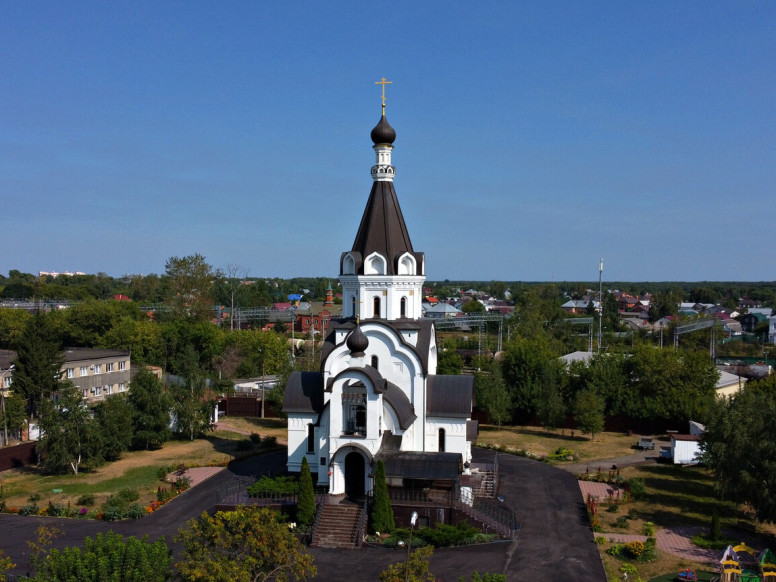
<point x="429" y="466"/>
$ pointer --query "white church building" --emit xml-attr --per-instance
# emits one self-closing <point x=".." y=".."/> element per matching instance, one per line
<point x="377" y="394"/>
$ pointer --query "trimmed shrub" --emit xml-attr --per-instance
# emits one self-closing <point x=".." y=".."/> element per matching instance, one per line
<point x="86" y="499"/>
<point x="255" y="438"/>
<point x="305" y="508"/>
<point x="382" y="510"/>
<point x="274" y="486"/>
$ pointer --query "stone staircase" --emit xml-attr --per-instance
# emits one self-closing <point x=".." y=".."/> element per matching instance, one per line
<point x="337" y="527"/>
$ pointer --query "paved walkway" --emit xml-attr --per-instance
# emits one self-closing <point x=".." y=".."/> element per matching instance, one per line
<point x="676" y="541"/>
<point x="598" y="491"/>
<point x="554" y="541"/>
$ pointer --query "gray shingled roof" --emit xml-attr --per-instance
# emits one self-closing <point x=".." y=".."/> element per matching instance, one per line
<point x="450" y="396"/>
<point x="383" y="230"/>
<point x="304" y="393"/>
<point x="421" y="465"/>
<point x="401" y="405"/>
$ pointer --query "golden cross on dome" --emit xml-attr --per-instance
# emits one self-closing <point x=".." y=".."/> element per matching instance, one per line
<point x="383" y="82"/>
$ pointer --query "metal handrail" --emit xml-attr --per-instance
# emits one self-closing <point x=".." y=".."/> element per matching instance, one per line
<point x="363" y="519"/>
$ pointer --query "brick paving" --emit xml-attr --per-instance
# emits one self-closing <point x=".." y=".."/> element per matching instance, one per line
<point x="598" y="491"/>
<point x="674" y="540"/>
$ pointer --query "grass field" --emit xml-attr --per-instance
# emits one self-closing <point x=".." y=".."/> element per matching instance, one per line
<point x="276" y="427"/>
<point x="135" y="470"/>
<point x="606" y="445"/>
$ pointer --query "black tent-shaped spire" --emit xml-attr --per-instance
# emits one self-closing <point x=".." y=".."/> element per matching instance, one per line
<point x="382" y="227"/>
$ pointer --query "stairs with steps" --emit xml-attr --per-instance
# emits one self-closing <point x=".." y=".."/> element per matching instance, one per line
<point x="337" y="527"/>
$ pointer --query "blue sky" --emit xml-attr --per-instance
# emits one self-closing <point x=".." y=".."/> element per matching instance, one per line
<point x="533" y="138"/>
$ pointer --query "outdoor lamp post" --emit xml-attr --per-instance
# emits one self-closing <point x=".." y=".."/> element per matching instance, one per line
<point x="2" y="400"/>
<point x="413" y="521"/>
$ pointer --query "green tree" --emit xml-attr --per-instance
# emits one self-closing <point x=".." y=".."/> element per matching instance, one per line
<point x="738" y="447"/>
<point x="190" y="282"/>
<point x="151" y="407"/>
<point x="530" y="367"/>
<point x="305" y="507"/>
<point x="39" y="358"/>
<point x="244" y="545"/>
<point x="589" y="412"/>
<point x="114" y="423"/>
<point x="13" y="417"/>
<point x="473" y="306"/>
<point x="107" y="558"/>
<point x="664" y="304"/>
<point x="671" y="385"/>
<point x="550" y="408"/>
<point x="141" y="337"/>
<point x="68" y="434"/>
<point x="382" y="511"/>
<point x="12" y="325"/>
<point x="449" y="363"/>
<point x="493" y="396"/>
<point x="415" y="569"/>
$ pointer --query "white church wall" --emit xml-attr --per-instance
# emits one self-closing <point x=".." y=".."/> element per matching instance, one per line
<point x="455" y="436"/>
<point x="297" y="439"/>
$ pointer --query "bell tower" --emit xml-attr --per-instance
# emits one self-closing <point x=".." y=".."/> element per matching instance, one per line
<point x="382" y="276"/>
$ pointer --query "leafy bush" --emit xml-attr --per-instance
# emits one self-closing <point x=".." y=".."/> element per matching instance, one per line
<point x="269" y="441"/>
<point x="442" y="535"/>
<point x="56" y="510"/>
<point x="34" y="498"/>
<point x="162" y="472"/>
<point x="86" y="499"/>
<point x="135" y="511"/>
<point x="636" y="488"/>
<point x="600" y="540"/>
<point x="648" y="529"/>
<point x="613" y="508"/>
<point x="29" y="509"/>
<point x="274" y="486"/>
<point x="561" y="454"/>
<point x="621" y="521"/>
<point x="112" y="513"/>
<point x="634" y="549"/>
<point x="255" y="438"/>
<point x="127" y="496"/>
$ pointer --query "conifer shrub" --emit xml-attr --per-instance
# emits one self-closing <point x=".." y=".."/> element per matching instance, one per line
<point x="382" y="511"/>
<point x="305" y="508"/>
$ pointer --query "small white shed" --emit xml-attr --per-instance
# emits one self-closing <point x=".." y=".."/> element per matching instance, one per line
<point x="685" y="448"/>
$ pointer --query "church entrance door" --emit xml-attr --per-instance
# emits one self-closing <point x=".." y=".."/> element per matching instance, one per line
<point x="354" y="475"/>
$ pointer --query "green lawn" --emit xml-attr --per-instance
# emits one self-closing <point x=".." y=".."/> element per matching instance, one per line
<point x="135" y="470"/>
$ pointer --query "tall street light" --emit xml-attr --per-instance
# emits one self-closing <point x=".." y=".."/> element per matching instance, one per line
<point x="2" y="399"/>
<point x="413" y="521"/>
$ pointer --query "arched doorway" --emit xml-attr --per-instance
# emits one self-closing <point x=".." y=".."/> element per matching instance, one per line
<point x="354" y="475"/>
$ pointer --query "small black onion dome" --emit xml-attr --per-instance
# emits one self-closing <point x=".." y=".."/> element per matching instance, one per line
<point x="383" y="133"/>
<point x="357" y="342"/>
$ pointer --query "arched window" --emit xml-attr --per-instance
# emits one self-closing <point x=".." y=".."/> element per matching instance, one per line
<point x="403" y="307"/>
<point x="374" y="362"/>
<point x="349" y="265"/>
<point x="310" y="438"/>
<point x="353" y="306"/>
<point x="376" y="307"/>
<point x="441" y="446"/>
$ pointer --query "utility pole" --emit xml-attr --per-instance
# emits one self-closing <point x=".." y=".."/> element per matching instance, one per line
<point x="600" y="302"/>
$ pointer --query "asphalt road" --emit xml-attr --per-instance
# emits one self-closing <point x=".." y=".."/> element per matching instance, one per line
<point x="555" y="541"/>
